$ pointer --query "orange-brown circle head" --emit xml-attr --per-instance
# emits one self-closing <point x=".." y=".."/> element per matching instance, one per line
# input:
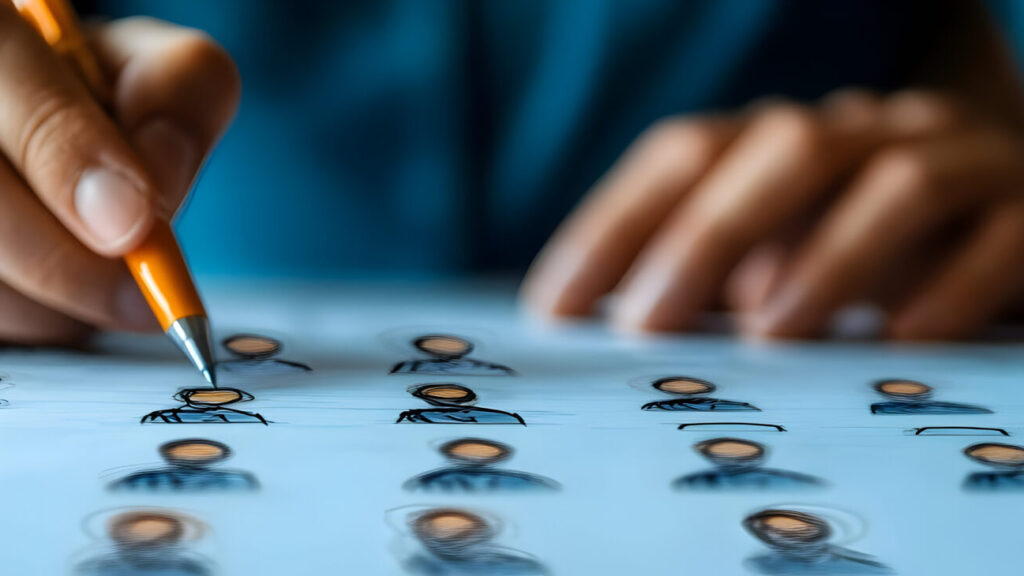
<point x="904" y="389"/>
<point x="476" y="451"/>
<point x="444" y="393"/>
<point x="683" y="385"/>
<point x="252" y="345"/>
<point x="212" y="396"/>
<point x="788" y="529"/>
<point x="996" y="454"/>
<point x="136" y="530"/>
<point x="443" y="346"/>
<point x="731" y="451"/>
<point x="194" y="452"/>
<point x="449" y="531"/>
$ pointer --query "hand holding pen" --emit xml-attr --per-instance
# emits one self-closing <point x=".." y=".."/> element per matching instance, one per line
<point x="82" y="185"/>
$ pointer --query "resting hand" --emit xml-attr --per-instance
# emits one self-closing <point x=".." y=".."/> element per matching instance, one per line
<point x="787" y="213"/>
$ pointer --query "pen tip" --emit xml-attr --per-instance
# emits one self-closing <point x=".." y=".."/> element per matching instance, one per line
<point x="210" y="376"/>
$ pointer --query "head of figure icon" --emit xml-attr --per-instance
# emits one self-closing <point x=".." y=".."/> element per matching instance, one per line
<point x="731" y="452"/>
<point x="442" y="346"/>
<point x="904" y="389"/>
<point x="999" y="455"/>
<point x="211" y="397"/>
<point x="475" y="451"/>
<point x="146" y="531"/>
<point x="194" y="452"/>
<point x="683" y="385"/>
<point x="450" y="531"/>
<point x="792" y="532"/>
<point x="252" y="346"/>
<point x="444" y="394"/>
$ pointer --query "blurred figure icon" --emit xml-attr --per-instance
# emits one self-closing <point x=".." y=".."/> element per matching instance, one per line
<point x="148" y="543"/>
<point x="689" y="396"/>
<point x="207" y="406"/>
<point x="256" y="354"/>
<point x="738" y="466"/>
<point x="1006" y="459"/>
<point x="4" y="385"/>
<point x="446" y="355"/>
<point x="800" y="545"/>
<point x="912" y="397"/>
<point x="473" y="469"/>
<point x="191" y="468"/>
<point x="453" y="404"/>
<point x="459" y="542"/>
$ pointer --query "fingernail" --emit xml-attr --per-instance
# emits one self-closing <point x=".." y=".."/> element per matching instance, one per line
<point x="112" y="207"/>
<point x="781" y="310"/>
<point x="172" y="158"/>
<point x="133" y="311"/>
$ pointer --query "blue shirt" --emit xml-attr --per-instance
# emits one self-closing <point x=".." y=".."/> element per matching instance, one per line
<point x="422" y="137"/>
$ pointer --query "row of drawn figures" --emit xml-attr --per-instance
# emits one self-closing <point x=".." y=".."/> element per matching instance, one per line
<point x="459" y="541"/>
<point x="191" y="465"/>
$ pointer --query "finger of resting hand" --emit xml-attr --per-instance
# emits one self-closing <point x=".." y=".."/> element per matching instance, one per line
<point x="42" y="260"/>
<point x="592" y="250"/>
<point x="978" y="281"/>
<point x="904" y="193"/>
<point x="176" y="92"/>
<point x="753" y="278"/>
<point x="29" y="323"/>
<point x="65" y="146"/>
<point x="776" y="169"/>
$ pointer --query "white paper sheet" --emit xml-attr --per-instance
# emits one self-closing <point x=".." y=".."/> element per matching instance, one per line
<point x="332" y="464"/>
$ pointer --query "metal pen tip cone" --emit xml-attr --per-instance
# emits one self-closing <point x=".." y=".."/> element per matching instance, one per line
<point x="192" y="335"/>
<point x="210" y="376"/>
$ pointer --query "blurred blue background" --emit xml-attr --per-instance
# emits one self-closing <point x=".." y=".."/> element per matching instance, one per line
<point x="413" y="138"/>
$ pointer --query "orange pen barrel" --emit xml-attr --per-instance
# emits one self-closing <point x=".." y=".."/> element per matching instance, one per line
<point x="160" y="270"/>
<point x="57" y="23"/>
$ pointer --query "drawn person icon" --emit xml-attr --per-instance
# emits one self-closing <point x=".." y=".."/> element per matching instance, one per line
<point x="456" y="542"/>
<point x="207" y="406"/>
<point x="453" y="404"/>
<point x="738" y="466"/>
<point x="473" y="470"/>
<point x="190" y="470"/>
<point x="447" y="356"/>
<point x="1007" y="459"/>
<point x="912" y="397"/>
<point x="689" y="395"/>
<point x="800" y="545"/>
<point x="147" y="543"/>
<point x="256" y="354"/>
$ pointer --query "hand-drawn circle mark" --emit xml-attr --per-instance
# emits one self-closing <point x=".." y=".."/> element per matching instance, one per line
<point x="683" y="385"/>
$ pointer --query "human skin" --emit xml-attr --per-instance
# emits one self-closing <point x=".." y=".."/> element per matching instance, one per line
<point x="786" y="212"/>
<point x="82" y="185"/>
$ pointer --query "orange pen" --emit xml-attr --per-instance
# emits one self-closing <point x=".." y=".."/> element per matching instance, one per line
<point x="157" y="265"/>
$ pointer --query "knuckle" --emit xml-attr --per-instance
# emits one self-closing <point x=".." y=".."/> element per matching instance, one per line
<point x="681" y="143"/>
<point x="54" y="121"/>
<point x="794" y="127"/>
<point x="925" y="110"/>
